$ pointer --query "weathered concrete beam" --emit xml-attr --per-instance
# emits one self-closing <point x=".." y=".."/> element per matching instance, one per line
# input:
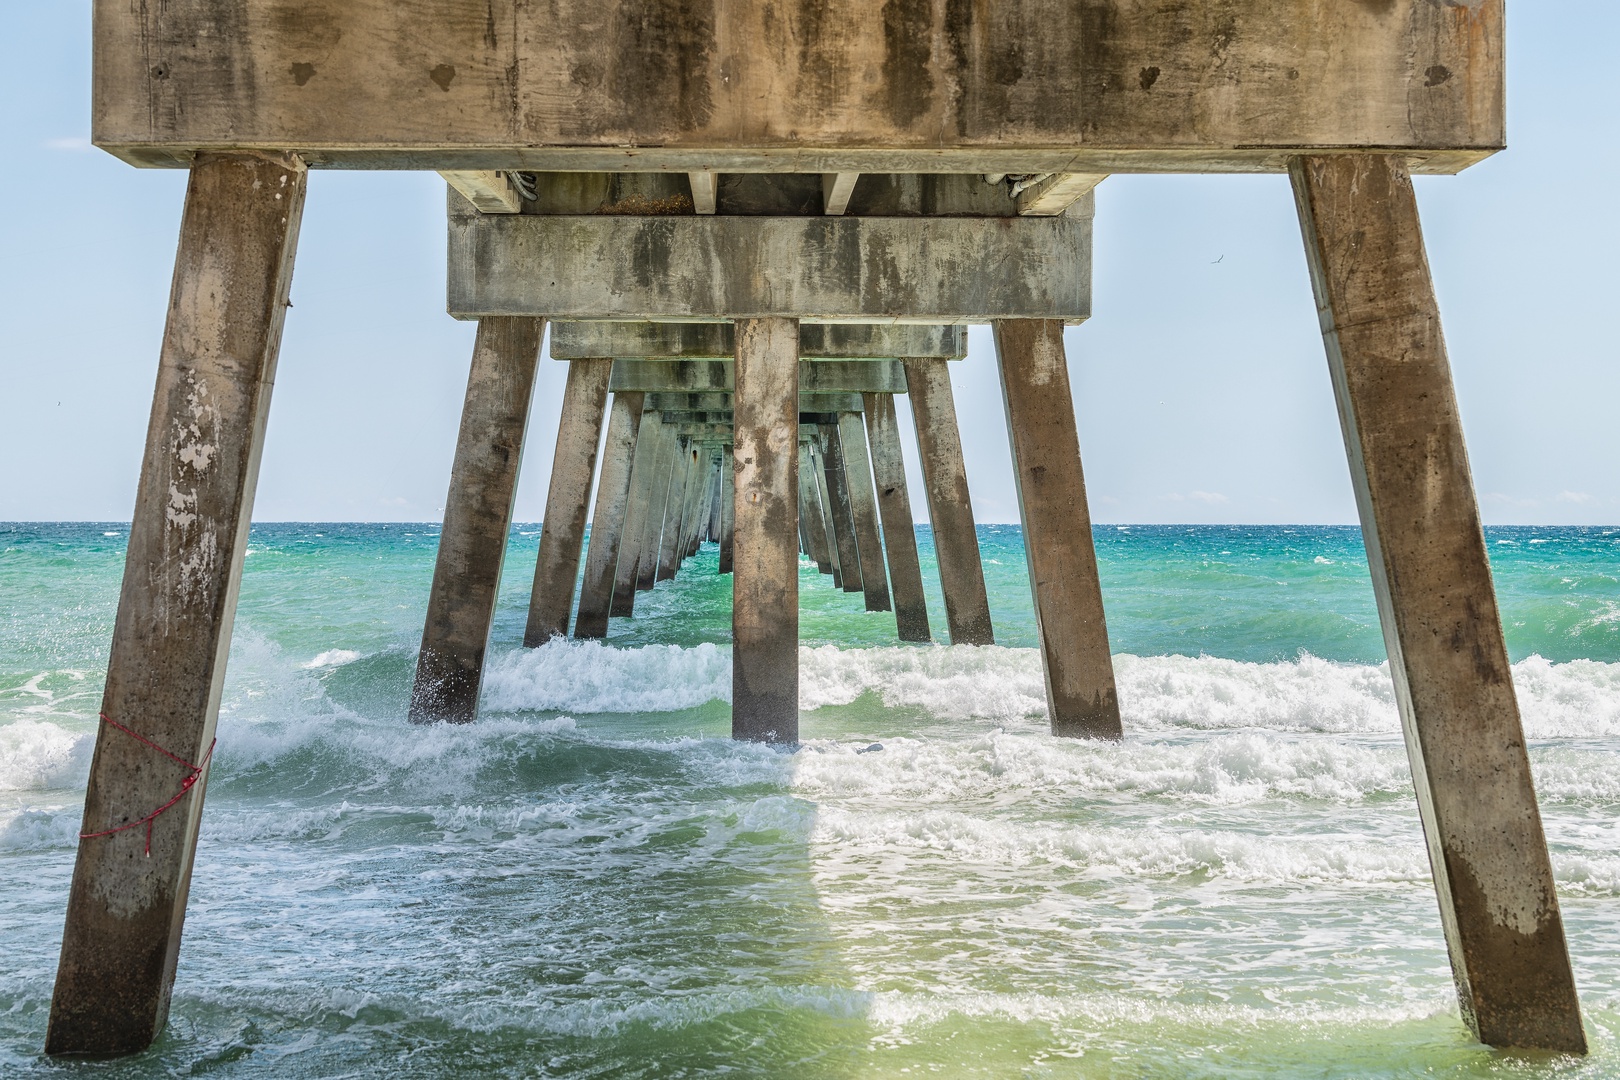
<point x="863" y="510"/>
<point x="562" y="530"/>
<point x="703" y="185"/>
<point x="490" y="191"/>
<point x="1032" y="86"/>
<point x="477" y="518"/>
<point x="765" y="576"/>
<point x="715" y="376"/>
<point x="1057" y="193"/>
<point x="918" y="270"/>
<point x="1080" y="695"/>
<point x="1432" y="580"/>
<point x="717" y="341"/>
<point x="950" y="506"/>
<point x="182" y="573"/>
<point x="609" y="519"/>
<point x="899" y="527"/>
<point x="836" y="188"/>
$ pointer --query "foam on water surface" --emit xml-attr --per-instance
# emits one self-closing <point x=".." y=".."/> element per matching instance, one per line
<point x="594" y="880"/>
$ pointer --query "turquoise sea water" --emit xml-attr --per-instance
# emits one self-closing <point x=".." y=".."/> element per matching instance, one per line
<point x="594" y="881"/>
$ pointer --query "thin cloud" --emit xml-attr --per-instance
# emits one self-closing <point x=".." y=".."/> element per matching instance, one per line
<point x="72" y="143"/>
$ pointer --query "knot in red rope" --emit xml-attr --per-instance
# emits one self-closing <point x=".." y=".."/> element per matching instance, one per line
<point x="193" y="774"/>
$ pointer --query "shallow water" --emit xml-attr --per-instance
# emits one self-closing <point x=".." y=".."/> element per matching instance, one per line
<point x="594" y="881"/>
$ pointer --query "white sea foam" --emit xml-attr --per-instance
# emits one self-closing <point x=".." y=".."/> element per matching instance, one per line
<point x="38" y="755"/>
<point x="590" y="677"/>
<point x="332" y="658"/>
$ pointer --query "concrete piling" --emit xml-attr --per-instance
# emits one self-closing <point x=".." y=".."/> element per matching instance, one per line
<point x="1058" y="547"/>
<point x="765" y="577"/>
<point x="842" y="515"/>
<point x="638" y="505"/>
<point x="950" y="507"/>
<point x="664" y="462"/>
<point x="1436" y="601"/>
<point x="477" y="519"/>
<point x="562" y="530"/>
<point x="899" y="528"/>
<point x="728" y="491"/>
<point x="863" y="510"/>
<point x="608" y="518"/>
<point x="182" y="574"/>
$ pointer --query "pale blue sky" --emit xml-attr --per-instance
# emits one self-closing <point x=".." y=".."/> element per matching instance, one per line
<point x="1201" y="390"/>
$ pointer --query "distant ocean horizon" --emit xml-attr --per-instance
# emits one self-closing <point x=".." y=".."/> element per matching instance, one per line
<point x="594" y="880"/>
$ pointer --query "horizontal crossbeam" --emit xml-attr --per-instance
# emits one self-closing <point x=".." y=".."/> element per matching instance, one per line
<point x="717" y="341"/>
<point x="702" y="376"/>
<point x="857" y="269"/>
<point x="1019" y="86"/>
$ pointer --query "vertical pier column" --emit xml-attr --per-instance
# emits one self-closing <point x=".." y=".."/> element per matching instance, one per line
<point x="765" y="581"/>
<point x="950" y="508"/>
<point x="728" y="492"/>
<point x="824" y="497"/>
<point x="815" y="519"/>
<point x="863" y="509"/>
<point x="1058" y="546"/>
<point x="637" y="509"/>
<point x="675" y="510"/>
<point x="664" y="462"/>
<point x="608" y="518"/>
<point x="182" y="574"/>
<point x="899" y="527"/>
<point x="562" y="532"/>
<point x="477" y="519"/>
<point x="842" y="515"/>
<point x="1426" y="549"/>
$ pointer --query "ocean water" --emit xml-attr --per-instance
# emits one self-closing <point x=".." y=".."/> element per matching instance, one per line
<point x="594" y="881"/>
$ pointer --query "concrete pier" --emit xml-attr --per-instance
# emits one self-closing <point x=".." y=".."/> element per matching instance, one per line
<point x="1058" y="547"/>
<point x="608" y="517"/>
<point x="562" y="531"/>
<point x="899" y="527"/>
<point x="665" y="458"/>
<point x="841" y="514"/>
<point x="728" y="492"/>
<point x="677" y="511"/>
<point x="477" y="518"/>
<point x="815" y="520"/>
<point x="1426" y="550"/>
<point x="182" y="573"/>
<point x="863" y="509"/>
<point x="638" y="505"/>
<point x="765" y="579"/>
<point x="950" y="507"/>
<point x="824" y="500"/>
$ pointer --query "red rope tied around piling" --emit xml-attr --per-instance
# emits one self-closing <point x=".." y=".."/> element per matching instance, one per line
<point x="192" y="776"/>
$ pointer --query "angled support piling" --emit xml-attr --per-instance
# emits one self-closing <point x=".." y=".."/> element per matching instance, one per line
<point x="638" y="507"/>
<point x="815" y="520"/>
<point x="666" y="457"/>
<point x="899" y="527"/>
<point x="477" y="519"/>
<point x="182" y="574"/>
<point x="863" y="510"/>
<point x="608" y="517"/>
<point x="675" y="511"/>
<point x="562" y="532"/>
<point x="950" y="508"/>
<point x="842" y="514"/>
<point x="1058" y="547"/>
<point x="818" y="460"/>
<point x="1432" y="580"/>
<point x="765" y="578"/>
